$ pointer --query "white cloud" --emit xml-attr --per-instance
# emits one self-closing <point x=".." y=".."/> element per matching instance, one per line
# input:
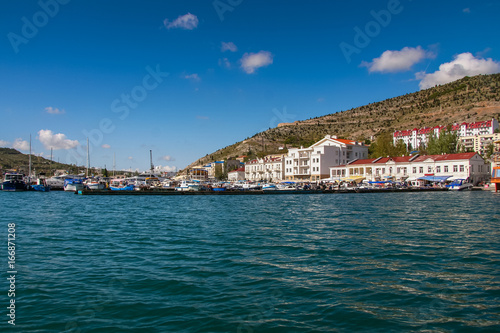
<point x="167" y="158"/>
<point x="224" y="62"/>
<point x="202" y="117"/>
<point x="166" y="168"/>
<point x="106" y="146"/>
<point x="193" y="77"/>
<point x="52" y="110"/>
<point x="466" y="10"/>
<point x="397" y="61"/>
<point x="19" y="144"/>
<point x="130" y="158"/>
<point x="464" y="64"/>
<point x="251" y="61"/>
<point x="228" y="47"/>
<point x="56" y="141"/>
<point x="188" y="22"/>
<point x="4" y="143"/>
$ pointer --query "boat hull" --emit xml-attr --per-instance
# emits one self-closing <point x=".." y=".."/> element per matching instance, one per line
<point x="14" y="186"/>
<point x="40" y="188"/>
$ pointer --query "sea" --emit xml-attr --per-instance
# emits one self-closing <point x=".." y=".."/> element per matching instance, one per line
<point x="361" y="262"/>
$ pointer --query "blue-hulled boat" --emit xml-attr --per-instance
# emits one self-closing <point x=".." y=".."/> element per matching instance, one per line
<point x="14" y="182"/>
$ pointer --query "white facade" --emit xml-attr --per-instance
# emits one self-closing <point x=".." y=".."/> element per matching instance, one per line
<point x="465" y="166"/>
<point x="269" y="168"/>
<point x="419" y="136"/>
<point x="313" y="163"/>
<point x="234" y="176"/>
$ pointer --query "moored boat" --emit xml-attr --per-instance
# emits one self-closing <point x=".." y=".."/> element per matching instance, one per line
<point x="460" y="185"/>
<point x="14" y="182"/>
<point x="73" y="184"/>
<point x="120" y="184"/>
<point x="188" y="185"/>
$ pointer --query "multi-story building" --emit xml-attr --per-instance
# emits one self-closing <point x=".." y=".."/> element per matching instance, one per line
<point x="464" y="166"/>
<point x="419" y="136"/>
<point x="479" y="143"/>
<point x="313" y="163"/>
<point x="269" y="168"/>
<point x="235" y="175"/>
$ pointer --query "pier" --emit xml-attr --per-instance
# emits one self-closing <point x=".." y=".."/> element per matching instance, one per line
<point x="257" y="192"/>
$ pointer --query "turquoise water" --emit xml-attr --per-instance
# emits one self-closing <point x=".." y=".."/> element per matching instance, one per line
<point x="381" y="262"/>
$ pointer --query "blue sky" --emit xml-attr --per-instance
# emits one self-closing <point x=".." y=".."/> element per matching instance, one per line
<point x="185" y="78"/>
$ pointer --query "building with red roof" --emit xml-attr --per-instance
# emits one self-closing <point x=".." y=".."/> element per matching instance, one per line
<point x="469" y="166"/>
<point x="416" y="137"/>
<point x="313" y="163"/>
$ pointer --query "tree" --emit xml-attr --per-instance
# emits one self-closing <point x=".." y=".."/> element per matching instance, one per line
<point x="218" y="173"/>
<point x="383" y="146"/>
<point x="105" y="172"/>
<point x="446" y="143"/>
<point x="490" y="149"/>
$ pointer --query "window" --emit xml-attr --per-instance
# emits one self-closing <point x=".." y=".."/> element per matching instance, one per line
<point x="429" y="169"/>
<point x="438" y="169"/>
<point x="445" y="168"/>
<point x="421" y="170"/>
<point x="455" y="168"/>
<point x="462" y="168"/>
<point x="414" y="169"/>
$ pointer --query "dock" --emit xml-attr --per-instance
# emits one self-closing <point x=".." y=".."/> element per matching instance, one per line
<point x="256" y="192"/>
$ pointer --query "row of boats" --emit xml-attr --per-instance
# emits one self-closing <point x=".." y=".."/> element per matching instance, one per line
<point x="148" y="182"/>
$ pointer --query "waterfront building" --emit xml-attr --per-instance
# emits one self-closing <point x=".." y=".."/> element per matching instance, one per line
<point x="406" y="168"/>
<point x="269" y="168"/>
<point x="313" y="163"/>
<point x="419" y="136"/>
<point x="236" y="175"/>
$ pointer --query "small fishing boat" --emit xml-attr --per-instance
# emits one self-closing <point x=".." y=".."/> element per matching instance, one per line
<point x="40" y="186"/>
<point x="120" y="184"/>
<point x="94" y="184"/>
<point x="188" y="185"/>
<point x="269" y="187"/>
<point x="460" y="185"/>
<point x="14" y="182"/>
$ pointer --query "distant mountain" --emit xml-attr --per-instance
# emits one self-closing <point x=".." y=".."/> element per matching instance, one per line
<point x="469" y="99"/>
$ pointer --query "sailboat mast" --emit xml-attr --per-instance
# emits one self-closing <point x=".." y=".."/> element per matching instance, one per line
<point x="151" y="160"/>
<point x="29" y="175"/>
<point x="114" y="163"/>
<point x="88" y="158"/>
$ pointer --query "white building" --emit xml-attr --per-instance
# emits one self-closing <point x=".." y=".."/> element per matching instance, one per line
<point x="235" y="175"/>
<point x="464" y="166"/>
<point x="419" y="136"/>
<point x="269" y="168"/>
<point x="313" y="163"/>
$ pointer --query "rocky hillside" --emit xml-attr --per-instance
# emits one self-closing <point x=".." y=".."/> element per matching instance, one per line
<point x="469" y="99"/>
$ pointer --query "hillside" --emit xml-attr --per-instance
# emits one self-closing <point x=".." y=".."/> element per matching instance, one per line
<point x="13" y="159"/>
<point x="469" y="99"/>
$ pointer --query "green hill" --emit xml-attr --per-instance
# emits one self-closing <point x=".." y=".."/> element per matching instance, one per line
<point x="469" y="99"/>
<point x="11" y="159"/>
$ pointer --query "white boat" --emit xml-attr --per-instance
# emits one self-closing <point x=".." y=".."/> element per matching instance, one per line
<point x="269" y="187"/>
<point x="460" y="185"/>
<point x="188" y="185"/>
<point x="95" y="184"/>
<point x="287" y="186"/>
<point x="73" y="184"/>
<point x="56" y="182"/>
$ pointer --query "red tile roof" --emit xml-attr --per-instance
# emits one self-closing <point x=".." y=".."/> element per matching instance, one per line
<point x="242" y="169"/>
<point x="347" y="142"/>
<point x="446" y="157"/>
